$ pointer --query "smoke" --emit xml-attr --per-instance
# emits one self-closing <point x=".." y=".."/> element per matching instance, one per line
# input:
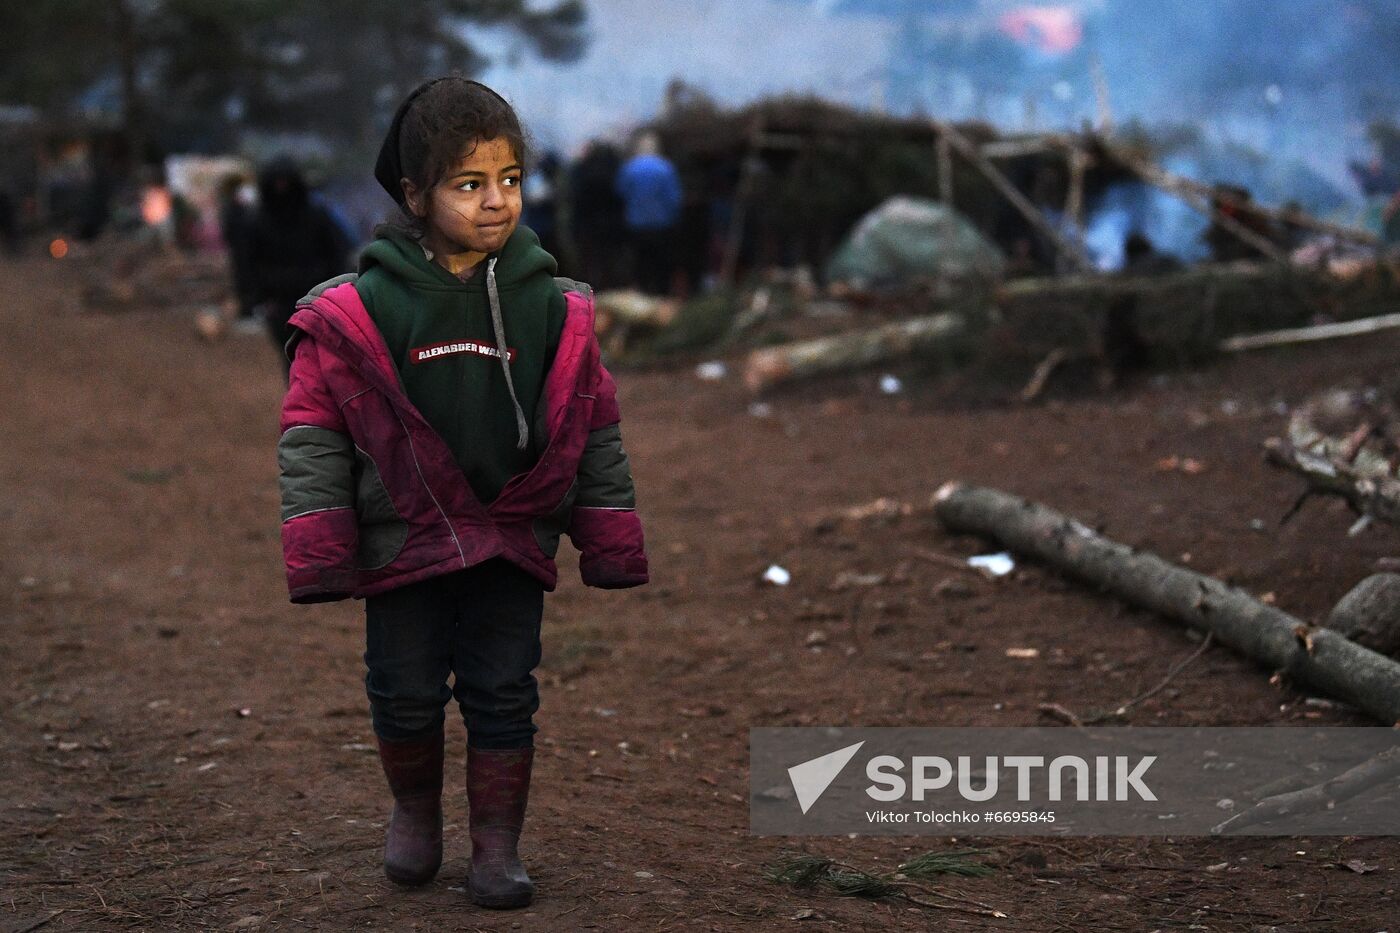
<point x="1278" y="94"/>
<point x="1298" y="80"/>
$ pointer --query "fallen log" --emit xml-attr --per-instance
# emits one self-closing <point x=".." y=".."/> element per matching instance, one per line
<point x="1319" y="797"/>
<point x="766" y="368"/>
<point x="1318" y="658"/>
<point x="635" y="308"/>
<point x="1296" y="335"/>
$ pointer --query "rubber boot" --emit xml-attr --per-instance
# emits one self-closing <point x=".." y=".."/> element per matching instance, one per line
<point x="413" y="847"/>
<point x="498" y="785"/>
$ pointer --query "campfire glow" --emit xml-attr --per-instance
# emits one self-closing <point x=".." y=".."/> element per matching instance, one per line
<point x="1055" y="29"/>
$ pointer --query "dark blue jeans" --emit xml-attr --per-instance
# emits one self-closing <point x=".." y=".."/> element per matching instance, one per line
<point x="482" y="626"/>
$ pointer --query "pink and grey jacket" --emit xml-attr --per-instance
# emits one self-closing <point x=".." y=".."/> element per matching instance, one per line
<point x="372" y="498"/>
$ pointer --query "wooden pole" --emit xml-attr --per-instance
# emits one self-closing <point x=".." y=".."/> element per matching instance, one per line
<point x="1203" y="203"/>
<point x="748" y="176"/>
<point x="945" y="170"/>
<point x="1319" y="658"/>
<point x="1074" y="199"/>
<point x="1182" y="186"/>
<point x="1072" y="251"/>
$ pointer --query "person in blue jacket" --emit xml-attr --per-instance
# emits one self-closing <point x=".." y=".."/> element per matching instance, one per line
<point x="651" y="195"/>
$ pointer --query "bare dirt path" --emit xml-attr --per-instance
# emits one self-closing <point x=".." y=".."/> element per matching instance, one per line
<point x="184" y="750"/>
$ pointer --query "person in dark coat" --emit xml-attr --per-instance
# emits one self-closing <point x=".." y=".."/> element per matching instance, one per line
<point x="598" y="231"/>
<point x="293" y="244"/>
<point x="235" y="227"/>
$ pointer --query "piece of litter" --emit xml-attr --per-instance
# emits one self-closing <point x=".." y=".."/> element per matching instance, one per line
<point x="998" y="565"/>
<point x="777" y="576"/>
<point x="1026" y="654"/>
<point x="642" y="874"/>
<point x="891" y="385"/>
<point x="761" y="410"/>
<point x="1358" y="866"/>
<point x="208" y="766"/>
<point x="712" y="371"/>
<point x="816" y="637"/>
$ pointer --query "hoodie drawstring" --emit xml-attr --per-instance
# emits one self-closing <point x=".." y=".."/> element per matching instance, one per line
<point x="499" y="326"/>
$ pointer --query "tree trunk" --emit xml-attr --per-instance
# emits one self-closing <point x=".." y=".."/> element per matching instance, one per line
<point x="1318" y="658"/>
<point x="925" y="335"/>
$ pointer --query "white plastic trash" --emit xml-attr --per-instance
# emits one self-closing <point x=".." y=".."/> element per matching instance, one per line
<point x="712" y="371"/>
<point x="891" y="385"/>
<point x="998" y="565"/>
<point x="777" y="576"/>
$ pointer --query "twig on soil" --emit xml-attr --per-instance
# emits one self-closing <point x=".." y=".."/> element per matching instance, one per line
<point x="806" y="871"/>
<point x="1177" y="668"/>
<point x="1043" y="373"/>
<point x="949" y="561"/>
<point x="1068" y="716"/>
<point x="1062" y="713"/>
<point x="40" y="922"/>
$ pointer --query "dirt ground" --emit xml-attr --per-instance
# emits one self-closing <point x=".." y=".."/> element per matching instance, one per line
<point x="184" y="750"/>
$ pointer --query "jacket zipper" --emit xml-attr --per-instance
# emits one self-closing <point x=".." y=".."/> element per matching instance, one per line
<point x="431" y="495"/>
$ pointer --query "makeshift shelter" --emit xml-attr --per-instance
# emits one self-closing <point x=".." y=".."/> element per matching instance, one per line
<point x="781" y="181"/>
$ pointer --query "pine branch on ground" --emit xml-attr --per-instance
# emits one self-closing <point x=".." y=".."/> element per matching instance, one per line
<point x="813" y="871"/>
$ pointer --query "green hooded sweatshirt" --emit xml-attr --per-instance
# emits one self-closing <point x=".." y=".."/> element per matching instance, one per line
<point x="443" y="341"/>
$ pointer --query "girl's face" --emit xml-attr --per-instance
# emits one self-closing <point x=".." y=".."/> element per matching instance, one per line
<point x="474" y="209"/>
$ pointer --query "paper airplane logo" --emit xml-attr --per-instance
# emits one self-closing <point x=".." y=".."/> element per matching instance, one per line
<point x="811" y="778"/>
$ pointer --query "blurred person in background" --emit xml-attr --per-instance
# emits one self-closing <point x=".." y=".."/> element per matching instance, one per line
<point x="541" y="193"/>
<point x="292" y="245"/>
<point x="236" y="216"/>
<point x="9" y="223"/>
<point x="1234" y="202"/>
<point x="596" y="216"/>
<point x="651" y="195"/>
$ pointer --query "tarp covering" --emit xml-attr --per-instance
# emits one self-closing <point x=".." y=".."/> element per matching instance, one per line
<point x="907" y="241"/>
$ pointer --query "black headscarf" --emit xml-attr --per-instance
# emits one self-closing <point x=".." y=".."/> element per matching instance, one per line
<point x="388" y="168"/>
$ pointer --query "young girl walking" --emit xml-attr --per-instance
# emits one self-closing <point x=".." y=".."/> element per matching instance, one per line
<point x="447" y="419"/>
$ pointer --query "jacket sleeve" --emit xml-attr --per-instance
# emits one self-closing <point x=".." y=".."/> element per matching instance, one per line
<point x="316" y="460"/>
<point x="604" y="524"/>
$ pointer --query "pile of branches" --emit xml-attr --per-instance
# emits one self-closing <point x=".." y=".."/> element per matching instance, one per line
<point x="1346" y="443"/>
